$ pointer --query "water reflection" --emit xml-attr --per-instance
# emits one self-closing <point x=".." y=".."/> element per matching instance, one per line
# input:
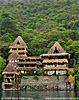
<point x="39" y="95"/>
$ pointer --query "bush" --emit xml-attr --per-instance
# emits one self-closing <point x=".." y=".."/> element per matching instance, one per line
<point x="21" y="74"/>
<point x="35" y="77"/>
<point x="28" y="86"/>
<point x="77" y="84"/>
<point x="58" y="76"/>
<point x="24" y="78"/>
<point x="72" y="78"/>
<point x="36" y="86"/>
<point x="45" y="85"/>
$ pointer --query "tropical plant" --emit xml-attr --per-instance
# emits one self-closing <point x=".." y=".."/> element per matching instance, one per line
<point x="58" y="76"/>
<point x="72" y="79"/>
<point x="36" y="77"/>
<point x="41" y="71"/>
<point x="24" y="78"/>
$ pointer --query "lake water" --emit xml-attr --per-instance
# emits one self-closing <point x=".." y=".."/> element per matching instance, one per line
<point x="39" y="95"/>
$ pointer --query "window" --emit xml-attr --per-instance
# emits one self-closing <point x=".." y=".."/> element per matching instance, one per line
<point x="9" y="60"/>
<point x="50" y="72"/>
<point x="60" y="72"/>
<point x="53" y="72"/>
<point x="14" y="49"/>
<point x="21" y="65"/>
<point x="21" y="60"/>
<point x="56" y="51"/>
<point x="21" y="48"/>
<point x="46" y="58"/>
<point x="15" y="60"/>
<point x="12" y="60"/>
<point x="50" y="65"/>
<point x="18" y="43"/>
<point x="56" y="72"/>
<point x="22" y="71"/>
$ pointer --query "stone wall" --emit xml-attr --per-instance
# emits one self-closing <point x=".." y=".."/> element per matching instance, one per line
<point x="51" y="81"/>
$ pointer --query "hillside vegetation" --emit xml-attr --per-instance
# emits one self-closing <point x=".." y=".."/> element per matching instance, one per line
<point x="40" y="23"/>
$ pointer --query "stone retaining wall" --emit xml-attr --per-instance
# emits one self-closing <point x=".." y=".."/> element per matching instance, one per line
<point x="51" y="81"/>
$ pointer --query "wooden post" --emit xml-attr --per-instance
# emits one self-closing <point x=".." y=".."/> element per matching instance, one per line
<point x="30" y="66"/>
<point x="24" y="65"/>
<point x="25" y="54"/>
<point x="17" y="49"/>
<point x="24" y="71"/>
<point x="35" y="66"/>
<point x="11" y="49"/>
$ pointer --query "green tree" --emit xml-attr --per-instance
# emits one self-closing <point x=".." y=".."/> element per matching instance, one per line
<point x="8" y="25"/>
<point x="76" y="72"/>
<point x="41" y="71"/>
<point x="2" y="65"/>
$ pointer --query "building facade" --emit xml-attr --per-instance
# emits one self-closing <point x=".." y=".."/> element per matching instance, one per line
<point x="56" y="61"/>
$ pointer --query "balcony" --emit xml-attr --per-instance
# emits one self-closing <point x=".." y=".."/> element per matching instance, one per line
<point x="56" y="68"/>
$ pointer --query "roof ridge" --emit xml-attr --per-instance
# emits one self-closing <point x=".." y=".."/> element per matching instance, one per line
<point x="59" y="48"/>
<point x="19" y="38"/>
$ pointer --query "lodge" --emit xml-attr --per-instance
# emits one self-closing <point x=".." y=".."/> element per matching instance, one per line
<point x="55" y="61"/>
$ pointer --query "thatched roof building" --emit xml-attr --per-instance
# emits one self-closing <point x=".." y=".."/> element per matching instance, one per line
<point x="18" y="43"/>
<point x="10" y="69"/>
<point x="56" y="68"/>
<point x="56" y="48"/>
<point x="27" y="57"/>
<point x="31" y="62"/>
<point x="55" y="61"/>
<point x="56" y="54"/>
<point x="25" y="68"/>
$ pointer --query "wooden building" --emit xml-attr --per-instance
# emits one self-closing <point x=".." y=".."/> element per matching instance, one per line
<point x="18" y="62"/>
<point x="10" y="75"/>
<point x="29" y="63"/>
<point x="55" y="61"/>
<point x="19" y="46"/>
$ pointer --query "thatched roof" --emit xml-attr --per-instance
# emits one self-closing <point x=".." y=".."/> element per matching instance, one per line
<point x="19" y="41"/>
<point x="57" y="47"/>
<point x="35" y="58"/>
<point x="31" y="62"/>
<point x="55" y="61"/>
<point x="56" y="68"/>
<point x="10" y="69"/>
<point x="26" y="57"/>
<point x="13" y="56"/>
<point x="25" y="68"/>
<point x="56" y="54"/>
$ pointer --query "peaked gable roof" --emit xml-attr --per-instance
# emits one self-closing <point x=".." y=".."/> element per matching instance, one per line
<point x="18" y="43"/>
<point x="13" y="56"/>
<point x="10" y="68"/>
<point x="58" y="47"/>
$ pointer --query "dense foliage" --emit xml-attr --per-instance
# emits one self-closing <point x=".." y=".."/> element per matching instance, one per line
<point x="40" y="23"/>
<point x="2" y="65"/>
<point x="76" y="72"/>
